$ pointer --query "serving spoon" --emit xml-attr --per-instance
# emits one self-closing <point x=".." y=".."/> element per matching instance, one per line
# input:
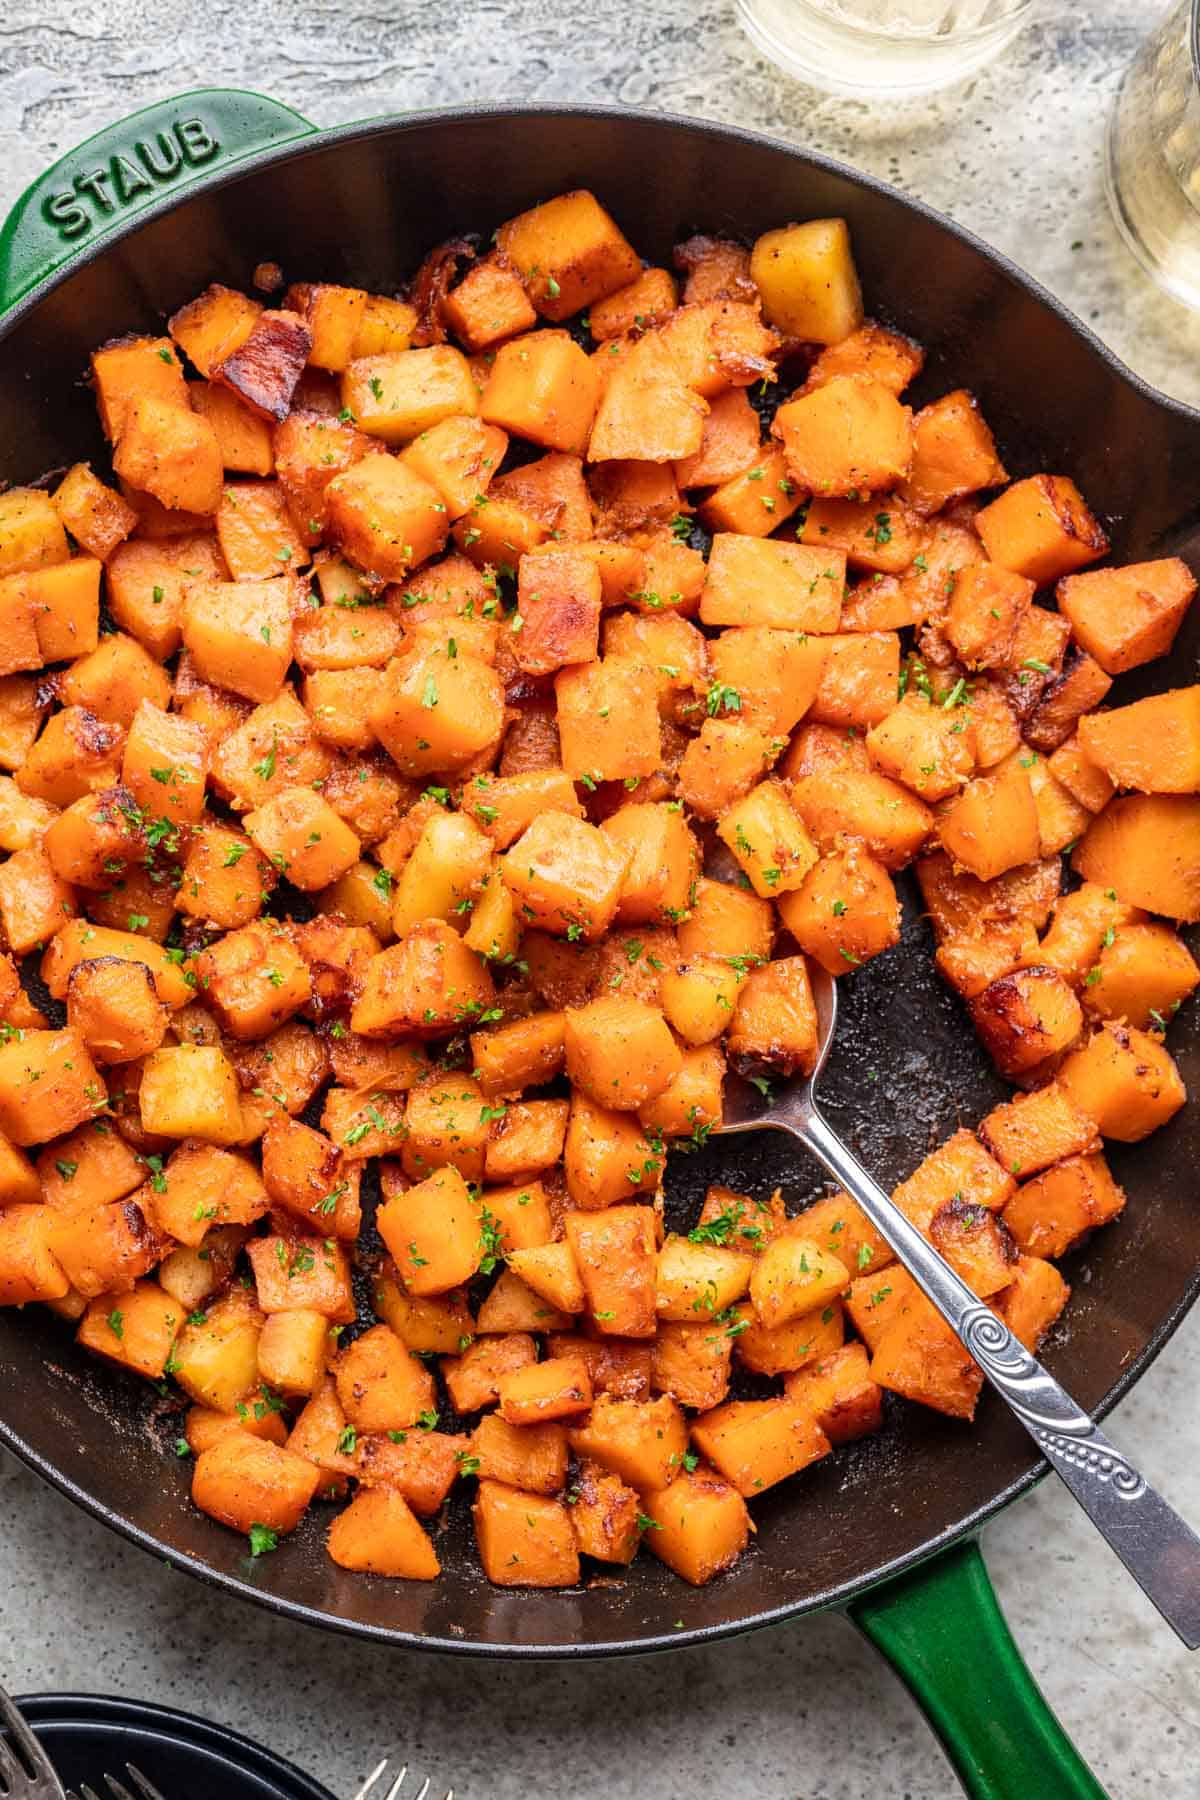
<point x="1161" y="1552"/>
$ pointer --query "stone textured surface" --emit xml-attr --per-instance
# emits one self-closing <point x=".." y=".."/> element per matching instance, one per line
<point x="797" y="1712"/>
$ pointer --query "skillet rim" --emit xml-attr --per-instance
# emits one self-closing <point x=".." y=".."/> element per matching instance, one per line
<point x="841" y="1595"/>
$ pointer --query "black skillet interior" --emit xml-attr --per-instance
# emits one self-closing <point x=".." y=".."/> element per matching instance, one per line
<point x="363" y="205"/>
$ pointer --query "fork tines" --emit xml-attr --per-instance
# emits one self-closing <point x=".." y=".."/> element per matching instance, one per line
<point x="117" y="1789"/>
<point x="368" y="1789"/>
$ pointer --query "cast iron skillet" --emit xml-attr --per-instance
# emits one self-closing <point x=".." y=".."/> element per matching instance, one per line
<point x="100" y="246"/>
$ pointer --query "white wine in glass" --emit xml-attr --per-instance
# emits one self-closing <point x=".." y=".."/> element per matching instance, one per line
<point x="887" y="48"/>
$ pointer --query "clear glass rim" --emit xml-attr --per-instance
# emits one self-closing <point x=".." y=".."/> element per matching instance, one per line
<point x="1195" y="40"/>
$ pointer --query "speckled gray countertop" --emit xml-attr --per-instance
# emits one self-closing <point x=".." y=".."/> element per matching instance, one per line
<point x="804" y="1713"/>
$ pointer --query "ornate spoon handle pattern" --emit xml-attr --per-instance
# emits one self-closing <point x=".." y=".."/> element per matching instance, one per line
<point x="1160" y="1551"/>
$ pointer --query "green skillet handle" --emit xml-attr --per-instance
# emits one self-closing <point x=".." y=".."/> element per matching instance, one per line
<point x="943" y="1632"/>
<point x="127" y="169"/>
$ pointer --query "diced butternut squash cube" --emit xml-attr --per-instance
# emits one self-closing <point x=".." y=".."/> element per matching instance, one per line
<point x="859" y="679"/>
<point x="488" y="305"/>
<point x="216" y="1357"/>
<point x="105" y="1249"/>
<point x="844" y="437"/>
<point x="48" y="1085"/>
<point x="243" y="438"/>
<point x="190" y="1090"/>
<point x="729" y="442"/>
<point x="699" y="1525"/>
<point x="992" y="825"/>
<point x="558" y="1388"/>
<point x="1143" y="846"/>
<point x="620" y="1052"/>
<point x="615" y="1252"/>
<point x="607" y="1155"/>
<point x="807" y="280"/>
<point x="386" y="518"/>
<point x="433" y="1232"/>
<point x="170" y="452"/>
<point x="1124" y="617"/>
<point x="793" y="1276"/>
<point x="525" y="1053"/>
<point x="95" y="515"/>
<point x="755" y="581"/>
<point x="1041" y="528"/>
<point x="727" y="921"/>
<point x="1142" y="976"/>
<point x="776" y="1019"/>
<point x="35" y="902"/>
<point x="605" y="1513"/>
<point x="698" y="1280"/>
<point x="472" y="1379"/>
<point x="382" y="1386"/>
<point x="137" y="1332"/>
<point x="334" y="317"/>
<point x="114" y="1007"/>
<point x="542" y="387"/>
<point x="114" y="678"/>
<point x="1033" y="1300"/>
<point x="641" y="1441"/>
<point x="378" y="1534"/>
<point x="565" y="876"/>
<point x="756" y="1443"/>
<point x="302" y="1274"/>
<point x="691" y="1362"/>
<point x="213" y="326"/>
<point x="1125" y="1080"/>
<point x="839" y="1392"/>
<point x="1025" y="1017"/>
<point x="559" y="598"/>
<point x="753" y="503"/>
<point x="533" y="1457"/>
<point x="845" y="911"/>
<point x="871" y="351"/>
<point x="240" y="634"/>
<point x="568" y="252"/>
<point x="1152" y="745"/>
<point x="845" y="802"/>
<point x="446" y="1125"/>
<point x="29" y="1269"/>
<point x="959" y="1169"/>
<point x="988" y="605"/>
<point x="255" y="531"/>
<point x="524" y="1539"/>
<point x="1031" y="1131"/>
<point x="920" y="1357"/>
<point x="954" y="454"/>
<point x="299" y="832"/>
<point x="292" y="1350"/>
<point x="608" y="720"/>
<point x="401" y="393"/>
<point x="769" y="840"/>
<point x="1079" y="686"/>
<point x="426" y="985"/>
<point x="130" y="367"/>
<point x="1050" y="1214"/>
<point x="646" y="409"/>
<point x="437" y="712"/>
<point x="243" y="1482"/>
<point x="551" y="1272"/>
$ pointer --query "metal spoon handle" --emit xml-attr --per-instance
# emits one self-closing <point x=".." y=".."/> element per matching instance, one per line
<point x="1160" y="1551"/>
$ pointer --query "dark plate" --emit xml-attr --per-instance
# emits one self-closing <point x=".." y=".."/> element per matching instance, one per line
<point x="91" y="1735"/>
